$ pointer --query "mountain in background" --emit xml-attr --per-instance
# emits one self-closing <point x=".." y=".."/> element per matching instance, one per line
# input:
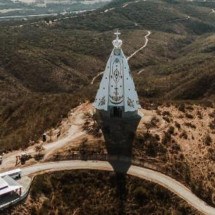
<point x="19" y="9"/>
<point x="47" y="65"/>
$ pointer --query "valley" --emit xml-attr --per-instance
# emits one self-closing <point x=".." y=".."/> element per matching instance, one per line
<point x="25" y="9"/>
<point x="99" y="198"/>
<point x="50" y="70"/>
<point x="42" y="62"/>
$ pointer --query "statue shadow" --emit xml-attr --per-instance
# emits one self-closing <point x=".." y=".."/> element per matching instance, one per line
<point x="119" y="134"/>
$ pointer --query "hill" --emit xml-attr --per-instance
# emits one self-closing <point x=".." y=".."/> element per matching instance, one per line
<point x="46" y="65"/>
<point x="104" y="193"/>
<point x="28" y="9"/>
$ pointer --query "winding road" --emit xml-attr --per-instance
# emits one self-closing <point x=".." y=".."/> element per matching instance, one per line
<point x="142" y="70"/>
<point x="144" y="46"/>
<point x="140" y="172"/>
<point x="128" y="58"/>
<point x="212" y="11"/>
<point x="75" y="131"/>
<point x="92" y="82"/>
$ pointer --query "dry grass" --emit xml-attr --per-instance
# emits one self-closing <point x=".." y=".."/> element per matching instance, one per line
<point x="101" y="193"/>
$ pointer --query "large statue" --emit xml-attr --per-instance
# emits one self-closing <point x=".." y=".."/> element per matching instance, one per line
<point x="117" y="96"/>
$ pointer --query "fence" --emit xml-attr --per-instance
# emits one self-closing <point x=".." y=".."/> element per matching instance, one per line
<point x="17" y="200"/>
<point x="105" y="157"/>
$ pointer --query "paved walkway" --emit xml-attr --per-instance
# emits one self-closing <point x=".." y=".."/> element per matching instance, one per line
<point x="14" y="198"/>
<point x="128" y="58"/>
<point x="142" y="47"/>
<point x="140" y="172"/>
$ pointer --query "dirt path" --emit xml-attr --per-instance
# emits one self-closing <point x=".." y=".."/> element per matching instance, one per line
<point x="142" y="70"/>
<point x="93" y="80"/>
<point x="140" y="172"/>
<point x="73" y="133"/>
<point x="212" y="11"/>
<point x="73" y="130"/>
<point x="141" y="48"/>
<point x="128" y="58"/>
<point x="128" y="3"/>
<point x="123" y="6"/>
<point x="74" y="124"/>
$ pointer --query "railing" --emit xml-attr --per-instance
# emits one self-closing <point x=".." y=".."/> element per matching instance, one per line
<point x="17" y="200"/>
<point x="105" y="157"/>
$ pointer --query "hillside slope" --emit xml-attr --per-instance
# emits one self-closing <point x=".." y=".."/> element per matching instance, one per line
<point x="47" y="65"/>
<point x="104" y="193"/>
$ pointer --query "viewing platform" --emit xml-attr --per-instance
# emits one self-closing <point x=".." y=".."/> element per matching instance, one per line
<point x="13" y="188"/>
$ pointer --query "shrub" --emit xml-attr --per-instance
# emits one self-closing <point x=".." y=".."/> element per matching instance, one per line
<point x="141" y="195"/>
<point x="212" y="125"/>
<point x="189" y="116"/>
<point x="152" y="149"/>
<point x="171" y="130"/>
<point x="181" y="107"/>
<point x="212" y="115"/>
<point x="189" y="107"/>
<point x="207" y="140"/>
<point x="166" y="113"/>
<point x="188" y="124"/>
<point x="38" y="156"/>
<point x="177" y="125"/>
<point x="166" y="138"/>
<point x="167" y="119"/>
<point x="40" y="185"/>
<point x="211" y="154"/>
<point x="154" y="121"/>
<point x="199" y="114"/>
<point x="183" y="135"/>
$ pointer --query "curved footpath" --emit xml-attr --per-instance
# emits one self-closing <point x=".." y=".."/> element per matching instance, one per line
<point x="140" y="172"/>
<point x="128" y="58"/>
<point x="144" y="46"/>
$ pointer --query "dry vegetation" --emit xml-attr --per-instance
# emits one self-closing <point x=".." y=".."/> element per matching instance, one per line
<point x="101" y="193"/>
<point x="183" y="146"/>
<point x="46" y="69"/>
<point x="176" y="139"/>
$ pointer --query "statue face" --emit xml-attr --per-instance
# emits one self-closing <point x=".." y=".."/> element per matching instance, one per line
<point x="117" y="52"/>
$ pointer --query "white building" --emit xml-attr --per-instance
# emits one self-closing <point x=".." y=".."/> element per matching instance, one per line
<point x="117" y="96"/>
<point x="7" y="183"/>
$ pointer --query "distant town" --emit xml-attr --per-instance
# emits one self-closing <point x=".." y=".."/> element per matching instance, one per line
<point x="19" y="9"/>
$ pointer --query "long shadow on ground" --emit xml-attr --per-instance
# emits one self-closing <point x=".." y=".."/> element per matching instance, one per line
<point x="119" y="135"/>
